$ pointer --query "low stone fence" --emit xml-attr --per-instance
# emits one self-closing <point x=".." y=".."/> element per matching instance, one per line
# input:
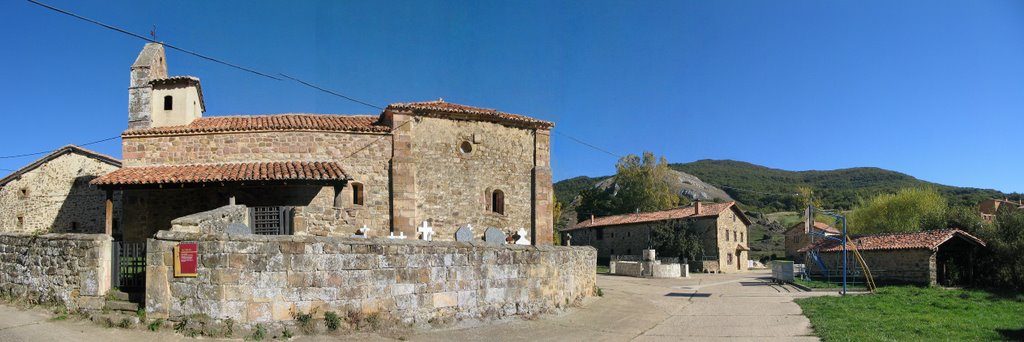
<point x="260" y="279"/>
<point x="212" y="221"/>
<point x="69" y="269"/>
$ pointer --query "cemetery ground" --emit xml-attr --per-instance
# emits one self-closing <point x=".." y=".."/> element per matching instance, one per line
<point x="906" y="313"/>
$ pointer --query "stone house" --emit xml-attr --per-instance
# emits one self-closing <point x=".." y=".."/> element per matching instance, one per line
<point x="722" y="227"/>
<point x="53" y="194"/>
<point x="798" y="237"/>
<point x="944" y="256"/>
<point x="989" y="208"/>
<point x="329" y="175"/>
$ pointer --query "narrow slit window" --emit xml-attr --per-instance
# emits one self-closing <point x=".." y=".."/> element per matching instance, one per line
<point x="168" y="102"/>
<point x="357" y="193"/>
<point x="21" y="222"/>
<point x="498" y="202"/>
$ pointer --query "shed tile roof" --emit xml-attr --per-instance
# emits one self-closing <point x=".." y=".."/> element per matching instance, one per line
<point x="817" y="225"/>
<point x="234" y="172"/>
<point x="929" y="239"/>
<point x="439" y="108"/>
<point x="57" y="153"/>
<point x="706" y="210"/>
<point x="278" y="122"/>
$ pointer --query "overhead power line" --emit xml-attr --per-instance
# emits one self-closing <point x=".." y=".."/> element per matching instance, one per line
<point x="111" y="27"/>
<point x="50" y="151"/>
<point x="201" y="55"/>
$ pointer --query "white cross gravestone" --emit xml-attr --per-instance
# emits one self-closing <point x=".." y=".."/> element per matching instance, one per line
<point x="401" y="235"/>
<point x="426" y="232"/>
<point x="361" y="232"/>
<point x="522" y="237"/>
<point x="465" y="233"/>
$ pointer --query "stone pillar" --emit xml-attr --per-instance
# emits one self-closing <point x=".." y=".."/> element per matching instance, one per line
<point x="403" y="176"/>
<point x="543" y="190"/>
<point x="109" y="213"/>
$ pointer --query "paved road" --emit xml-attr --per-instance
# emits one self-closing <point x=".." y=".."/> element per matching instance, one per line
<point x="701" y="308"/>
<point x="705" y="307"/>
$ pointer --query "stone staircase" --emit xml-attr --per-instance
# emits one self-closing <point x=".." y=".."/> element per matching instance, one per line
<point x="120" y="301"/>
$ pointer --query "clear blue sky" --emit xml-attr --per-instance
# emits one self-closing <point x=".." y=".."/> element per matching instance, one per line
<point x="934" y="89"/>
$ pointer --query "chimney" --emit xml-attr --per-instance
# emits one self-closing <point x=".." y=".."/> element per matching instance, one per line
<point x="591" y="218"/>
<point x="696" y="206"/>
<point x="150" y="65"/>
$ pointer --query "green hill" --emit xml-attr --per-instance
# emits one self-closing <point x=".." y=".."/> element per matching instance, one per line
<point x="770" y="189"/>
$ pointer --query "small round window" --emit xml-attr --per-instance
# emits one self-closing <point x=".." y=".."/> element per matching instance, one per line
<point x="466" y="147"/>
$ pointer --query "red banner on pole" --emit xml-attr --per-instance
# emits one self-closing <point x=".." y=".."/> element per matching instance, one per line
<point x="186" y="260"/>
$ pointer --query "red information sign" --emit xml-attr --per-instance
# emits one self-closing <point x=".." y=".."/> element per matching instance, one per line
<point x="186" y="259"/>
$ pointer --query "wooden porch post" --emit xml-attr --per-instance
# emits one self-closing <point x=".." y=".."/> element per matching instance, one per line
<point x="109" y="213"/>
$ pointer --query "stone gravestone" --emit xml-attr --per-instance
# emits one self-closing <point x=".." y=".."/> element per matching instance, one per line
<point x="426" y="232"/>
<point x="522" y="237"/>
<point x="465" y="233"/>
<point x="494" y="236"/>
<point x="238" y="228"/>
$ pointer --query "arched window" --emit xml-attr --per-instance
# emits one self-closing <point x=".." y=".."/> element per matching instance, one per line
<point x="74" y="226"/>
<point x="357" y="193"/>
<point x="498" y="202"/>
<point x="168" y="102"/>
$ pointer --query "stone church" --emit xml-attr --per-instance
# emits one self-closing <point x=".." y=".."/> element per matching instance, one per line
<point x="328" y="175"/>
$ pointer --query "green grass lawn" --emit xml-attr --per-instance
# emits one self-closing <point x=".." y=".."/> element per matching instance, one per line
<point x="602" y="269"/>
<point x="917" y="314"/>
<point x="817" y="284"/>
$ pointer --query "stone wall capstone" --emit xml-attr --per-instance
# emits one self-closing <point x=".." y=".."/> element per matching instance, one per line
<point x="214" y="221"/>
<point x="70" y="269"/>
<point x="261" y="279"/>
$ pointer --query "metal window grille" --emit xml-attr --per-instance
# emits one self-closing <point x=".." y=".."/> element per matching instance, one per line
<point x="271" y="220"/>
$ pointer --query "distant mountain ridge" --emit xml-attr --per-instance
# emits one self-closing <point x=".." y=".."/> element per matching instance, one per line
<point x="767" y="189"/>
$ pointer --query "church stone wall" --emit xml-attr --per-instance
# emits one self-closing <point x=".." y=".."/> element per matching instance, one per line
<point x="454" y="187"/>
<point x="57" y="197"/>
<point x="369" y="166"/>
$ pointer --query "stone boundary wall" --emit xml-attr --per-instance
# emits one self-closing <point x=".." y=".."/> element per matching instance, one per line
<point x="70" y="269"/>
<point x="262" y="279"/>
<point x="212" y="221"/>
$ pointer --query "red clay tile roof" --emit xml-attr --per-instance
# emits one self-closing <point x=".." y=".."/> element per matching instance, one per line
<point x="929" y="239"/>
<point x="212" y="173"/>
<point x="57" y="153"/>
<point x="818" y="225"/>
<point x="442" y="109"/>
<point x="707" y="210"/>
<point x="279" y="122"/>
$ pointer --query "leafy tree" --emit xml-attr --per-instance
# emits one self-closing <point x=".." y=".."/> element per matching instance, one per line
<point x="597" y="202"/>
<point x="641" y="183"/>
<point x="677" y="238"/>
<point x="1005" y="241"/>
<point x="909" y="210"/>
<point x="556" y="215"/>
<point x="966" y="219"/>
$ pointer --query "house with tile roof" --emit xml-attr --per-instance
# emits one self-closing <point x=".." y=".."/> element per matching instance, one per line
<point x="328" y="175"/>
<point x="944" y="256"/>
<point x="53" y="194"/>
<point x="722" y="227"/>
<point x="799" y="236"/>
<point x="989" y="208"/>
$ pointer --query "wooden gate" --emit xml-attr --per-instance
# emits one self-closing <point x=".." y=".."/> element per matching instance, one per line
<point x="271" y="220"/>
<point x="128" y="269"/>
